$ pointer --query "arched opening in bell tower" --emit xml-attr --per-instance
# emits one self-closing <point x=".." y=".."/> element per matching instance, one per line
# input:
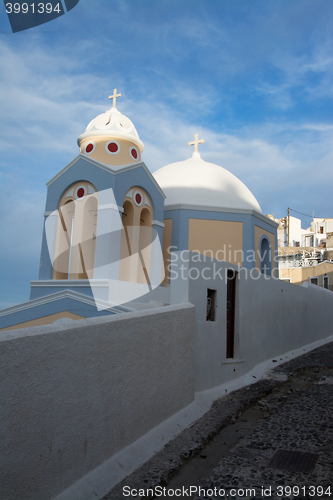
<point x="76" y="233"/>
<point x="136" y="237"/>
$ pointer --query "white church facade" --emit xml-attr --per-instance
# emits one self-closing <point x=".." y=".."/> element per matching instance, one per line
<point x="188" y="258"/>
<point x="110" y="222"/>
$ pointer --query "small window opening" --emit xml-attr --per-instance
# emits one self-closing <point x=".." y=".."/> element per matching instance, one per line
<point x="265" y="257"/>
<point x="325" y="282"/>
<point x="211" y="302"/>
<point x="314" y="281"/>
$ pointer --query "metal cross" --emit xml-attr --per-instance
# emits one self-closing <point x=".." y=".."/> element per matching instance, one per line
<point x="196" y="142"/>
<point x="114" y="97"/>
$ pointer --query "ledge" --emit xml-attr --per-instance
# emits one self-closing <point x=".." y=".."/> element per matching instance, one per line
<point x="232" y="361"/>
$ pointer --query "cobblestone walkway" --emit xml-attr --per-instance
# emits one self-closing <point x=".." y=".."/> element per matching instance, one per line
<point x="291" y="411"/>
<point x="302" y="422"/>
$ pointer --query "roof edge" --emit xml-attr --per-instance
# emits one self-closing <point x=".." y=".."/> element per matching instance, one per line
<point x="107" y="168"/>
<point x="260" y="216"/>
<point x="64" y="294"/>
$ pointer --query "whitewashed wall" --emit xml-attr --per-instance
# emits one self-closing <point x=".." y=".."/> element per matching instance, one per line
<point x="272" y="317"/>
<point x="73" y="397"/>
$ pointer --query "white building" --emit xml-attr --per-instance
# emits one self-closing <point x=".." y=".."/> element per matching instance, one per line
<point x="305" y="255"/>
<point x="291" y="234"/>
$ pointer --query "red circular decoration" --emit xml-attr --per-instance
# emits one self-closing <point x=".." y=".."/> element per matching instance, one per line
<point x="138" y="198"/>
<point x="134" y="153"/>
<point x="89" y="147"/>
<point x="113" y="147"/>
<point x="80" y="193"/>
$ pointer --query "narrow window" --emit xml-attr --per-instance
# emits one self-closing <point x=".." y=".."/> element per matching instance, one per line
<point x="211" y="300"/>
<point x="325" y="282"/>
<point x="231" y="299"/>
<point x="265" y="257"/>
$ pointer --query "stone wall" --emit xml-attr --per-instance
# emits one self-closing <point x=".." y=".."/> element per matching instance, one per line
<point x="73" y="397"/>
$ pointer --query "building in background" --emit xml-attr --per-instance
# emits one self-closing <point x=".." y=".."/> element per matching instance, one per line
<point x="305" y="255"/>
<point x="291" y="234"/>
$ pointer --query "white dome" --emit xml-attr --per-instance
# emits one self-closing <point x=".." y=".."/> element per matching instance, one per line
<point x="114" y="124"/>
<point x="199" y="183"/>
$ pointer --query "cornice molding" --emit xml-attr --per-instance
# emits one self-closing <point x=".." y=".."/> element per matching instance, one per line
<point x="64" y="294"/>
<point x="222" y="210"/>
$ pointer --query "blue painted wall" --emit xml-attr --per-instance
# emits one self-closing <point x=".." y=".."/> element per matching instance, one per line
<point x="84" y="170"/>
<point x="180" y="227"/>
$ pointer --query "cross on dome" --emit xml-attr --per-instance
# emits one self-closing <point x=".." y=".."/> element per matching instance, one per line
<point x="196" y="142"/>
<point x="114" y="97"/>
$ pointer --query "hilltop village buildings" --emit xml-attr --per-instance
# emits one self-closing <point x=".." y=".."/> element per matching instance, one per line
<point x="305" y="255"/>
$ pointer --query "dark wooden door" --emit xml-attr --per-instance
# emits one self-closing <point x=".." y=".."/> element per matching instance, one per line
<point x="231" y="297"/>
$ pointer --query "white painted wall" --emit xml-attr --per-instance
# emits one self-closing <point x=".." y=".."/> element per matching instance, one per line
<point x="277" y="317"/>
<point x="272" y="317"/>
<point x="296" y="231"/>
<point x="73" y="397"/>
<point x="326" y="223"/>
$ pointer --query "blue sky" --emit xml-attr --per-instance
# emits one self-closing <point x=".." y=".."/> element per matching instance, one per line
<point x="251" y="77"/>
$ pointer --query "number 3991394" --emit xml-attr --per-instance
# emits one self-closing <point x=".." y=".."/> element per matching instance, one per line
<point x="38" y="8"/>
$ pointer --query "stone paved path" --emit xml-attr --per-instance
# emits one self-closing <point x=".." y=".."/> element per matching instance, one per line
<point x="235" y="441"/>
<point x="302" y="422"/>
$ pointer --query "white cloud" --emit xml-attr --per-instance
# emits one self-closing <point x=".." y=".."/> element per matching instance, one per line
<point x="320" y="127"/>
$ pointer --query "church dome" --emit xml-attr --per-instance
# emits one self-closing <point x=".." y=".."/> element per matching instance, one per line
<point x="198" y="183"/>
<point x="114" y="124"/>
<point x="111" y="138"/>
